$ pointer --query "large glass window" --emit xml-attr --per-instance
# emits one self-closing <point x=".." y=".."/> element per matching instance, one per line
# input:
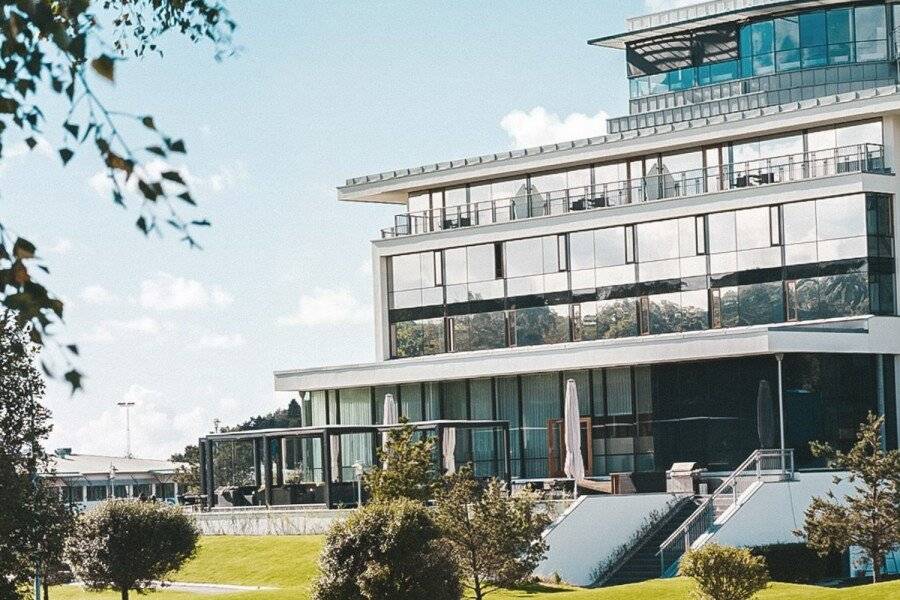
<point x="415" y="280"/>
<point x="871" y="33"/>
<point x="471" y="273"/>
<point x="418" y="338"/>
<point x="658" y="250"/>
<point x="540" y="402"/>
<point x="541" y="325"/>
<point x="479" y="331"/>
<point x="535" y="265"/>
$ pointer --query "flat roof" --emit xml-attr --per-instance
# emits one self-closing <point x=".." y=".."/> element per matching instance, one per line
<point x="848" y="335"/>
<point x="392" y="187"/>
<point x="700" y="15"/>
<point x="96" y="464"/>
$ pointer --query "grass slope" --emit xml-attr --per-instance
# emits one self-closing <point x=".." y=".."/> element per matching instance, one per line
<point x="289" y="563"/>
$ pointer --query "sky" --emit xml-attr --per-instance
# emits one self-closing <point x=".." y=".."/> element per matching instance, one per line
<point x="319" y="92"/>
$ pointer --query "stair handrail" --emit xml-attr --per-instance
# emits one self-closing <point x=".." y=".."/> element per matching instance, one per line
<point x="638" y="544"/>
<point x="689" y="534"/>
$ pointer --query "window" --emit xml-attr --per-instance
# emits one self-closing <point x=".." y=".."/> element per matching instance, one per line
<point x="96" y="493"/>
<point x="871" y="33"/>
<point x="840" y="36"/>
<point x="813" y="39"/>
<point x="535" y="265"/>
<point x="120" y="491"/>
<point x="418" y="338"/>
<point x="139" y="489"/>
<point x="471" y="273"/>
<point x="658" y="250"/>
<point x="787" y="43"/>
<point x="479" y="331"/>
<point x="541" y="325"/>
<point x="415" y="280"/>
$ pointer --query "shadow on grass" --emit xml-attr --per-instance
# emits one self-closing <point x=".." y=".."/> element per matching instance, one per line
<point x="537" y="588"/>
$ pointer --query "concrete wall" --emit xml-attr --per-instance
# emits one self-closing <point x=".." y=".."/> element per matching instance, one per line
<point x="592" y="529"/>
<point x="268" y="522"/>
<point x="776" y="509"/>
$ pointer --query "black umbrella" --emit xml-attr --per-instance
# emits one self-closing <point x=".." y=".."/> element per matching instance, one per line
<point x="765" y="416"/>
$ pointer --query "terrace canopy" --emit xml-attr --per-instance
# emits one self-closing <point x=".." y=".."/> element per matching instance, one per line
<point x="318" y="465"/>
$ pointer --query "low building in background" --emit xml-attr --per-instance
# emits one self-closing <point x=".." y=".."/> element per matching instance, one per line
<point x="86" y="479"/>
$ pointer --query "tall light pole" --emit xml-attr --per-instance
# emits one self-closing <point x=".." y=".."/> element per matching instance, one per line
<point x="127" y="406"/>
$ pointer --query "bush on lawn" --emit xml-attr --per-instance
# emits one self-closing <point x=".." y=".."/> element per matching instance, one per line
<point x="724" y="572"/>
<point x="387" y="551"/>
<point x="127" y="545"/>
<point x="797" y="563"/>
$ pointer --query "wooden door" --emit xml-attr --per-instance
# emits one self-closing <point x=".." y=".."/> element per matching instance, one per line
<point x="556" y="444"/>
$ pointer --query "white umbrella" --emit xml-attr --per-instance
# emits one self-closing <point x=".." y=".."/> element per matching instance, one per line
<point x="335" y="449"/>
<point x="390" y="415"/>
<point x="448" y="447"/>
<point x="574" y="466"/>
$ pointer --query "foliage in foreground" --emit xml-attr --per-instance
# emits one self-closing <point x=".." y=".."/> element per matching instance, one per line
<point x="387" y="551"/>
<point x="724" y="572"/>
<point x="53" y="49"/>
<point x="126" y="545"/>
<point x="495" y="539"/>
<point x="408" y="469"/>
<point x="33" y="519"/>
<point x="869" y="517"/>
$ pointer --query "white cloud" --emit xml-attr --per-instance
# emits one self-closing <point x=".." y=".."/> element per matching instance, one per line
<point x="114" y="329"/>
<point x="97" y="294"/>
<point x="327" y="307"/>
<point x="166" y="292"/>
<point x="661" y="5"/>
<point x="217" y="341"/>
<point x="225" y="177"/>
<point x="538" y="127"/>
<point x="62" y="246"/>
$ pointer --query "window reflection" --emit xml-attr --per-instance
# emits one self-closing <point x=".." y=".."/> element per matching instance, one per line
<point x="541" y="325"/>
<point x="418" y="338"/>
<point x="479" y="331"/>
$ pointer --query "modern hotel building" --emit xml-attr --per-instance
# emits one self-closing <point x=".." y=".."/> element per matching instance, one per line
<point x="724" y="255"/>
<point x="742" y="211"/>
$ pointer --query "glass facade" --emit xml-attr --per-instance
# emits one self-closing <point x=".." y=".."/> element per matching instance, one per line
<point x="793" y="156"/>
<point x="814" y="259"/>
<point x="645" y="418"/>
<point x="805" y="40"/>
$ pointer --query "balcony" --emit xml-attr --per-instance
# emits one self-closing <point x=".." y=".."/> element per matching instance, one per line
<point x="655" y="186"/>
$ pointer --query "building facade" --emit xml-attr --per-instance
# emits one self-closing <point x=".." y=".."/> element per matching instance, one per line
<point x="87" y="479"/>
<point x="730" y="242"/>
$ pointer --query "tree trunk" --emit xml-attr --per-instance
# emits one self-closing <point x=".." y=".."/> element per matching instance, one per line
<point x="124" y="593"/>
<point x="876" y="567"/>
<point x="46" y="587"/>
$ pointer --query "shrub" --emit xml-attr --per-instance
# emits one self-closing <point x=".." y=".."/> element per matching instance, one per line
<point x="495" y="538"/>
<point x="797" y="563"/>
<point x="127" y="545"/>
<point x="724" y="573"/>
<point x="408" y="468"/>
<point x="387" y="551"/>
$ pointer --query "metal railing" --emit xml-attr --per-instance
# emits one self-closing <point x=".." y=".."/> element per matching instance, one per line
<point x="770" y="464"/>
<point x="656" y="185"/>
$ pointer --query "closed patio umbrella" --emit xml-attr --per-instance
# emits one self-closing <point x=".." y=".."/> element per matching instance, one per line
<point x="390" y="415"/>
<point x="765" y="415"/>
<point x="448" y="450"/>
<point x="574" y="466"/>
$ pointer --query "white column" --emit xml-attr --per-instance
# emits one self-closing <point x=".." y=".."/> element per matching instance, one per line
<point x="380" y="304"/>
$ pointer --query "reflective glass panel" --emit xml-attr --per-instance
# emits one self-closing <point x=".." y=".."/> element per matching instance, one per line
<point x="479" y="331"/>
<point x="542" y="325"/>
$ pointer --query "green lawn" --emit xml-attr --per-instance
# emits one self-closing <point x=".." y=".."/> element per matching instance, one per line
<point x="288" y="563"/>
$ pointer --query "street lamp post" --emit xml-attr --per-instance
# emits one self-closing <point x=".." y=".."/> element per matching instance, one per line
<point x="780" y="358"/>
<point x="127" y="406"/>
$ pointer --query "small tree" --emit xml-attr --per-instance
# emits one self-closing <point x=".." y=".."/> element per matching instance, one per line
<point x="408" y="471"/>
<point x="494" y="538"/>
<point x="724" y="573"/>
<point x="188" y="474"/>
<point x="53" y="523"/>
<point x="386" y="551"/>
<point x="127" y="545"/>
<point x="868" y="518"/>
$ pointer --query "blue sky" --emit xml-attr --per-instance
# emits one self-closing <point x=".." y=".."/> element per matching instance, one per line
<point x="320" y="92"/>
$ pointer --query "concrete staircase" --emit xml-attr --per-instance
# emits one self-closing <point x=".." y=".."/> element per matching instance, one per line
<point x="641" y="562"/>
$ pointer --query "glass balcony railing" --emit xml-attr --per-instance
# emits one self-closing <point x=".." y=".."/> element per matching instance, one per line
<point x="658" y="184"/>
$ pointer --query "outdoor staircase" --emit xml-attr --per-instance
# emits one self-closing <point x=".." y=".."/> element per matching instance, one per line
<point x="720" y="506"/>
<point x="641" y="562"/>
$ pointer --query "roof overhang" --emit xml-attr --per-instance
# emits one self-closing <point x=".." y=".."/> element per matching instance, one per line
<point x="702" y="15"/>
<point x="851" y="335"/>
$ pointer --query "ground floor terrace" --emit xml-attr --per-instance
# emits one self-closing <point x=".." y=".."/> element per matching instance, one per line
<point x="703" y="397"/>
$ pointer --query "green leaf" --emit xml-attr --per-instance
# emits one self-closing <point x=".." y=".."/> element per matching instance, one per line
<point x="30" y="142"/>
<point x="142" y="225"/>
<point x="73" y="348"/>
<point x="72" y="128"/>
<point x="117" y="198"/>
<point x="23" y="249"/>
<point x="176" y="146"/>
<point x="105" y="67"/>
<point x="148" y="122"/>
<point x="201" y="223"/>
<point x="173" y="176"/>
<point x="66" y="155"/>
<point x="157" y="150"/>
<point x="147" y="190"/>
<point x="186" y="196"/>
